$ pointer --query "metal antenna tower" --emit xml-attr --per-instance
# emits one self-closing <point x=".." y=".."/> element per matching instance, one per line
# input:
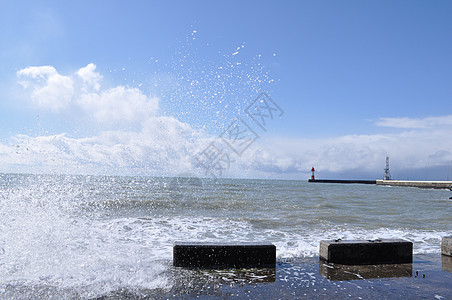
<point x="387" y="175"/>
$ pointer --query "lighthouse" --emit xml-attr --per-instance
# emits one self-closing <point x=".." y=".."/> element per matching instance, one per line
<point x="387" y="175"/>
<point x="312" y="173"/>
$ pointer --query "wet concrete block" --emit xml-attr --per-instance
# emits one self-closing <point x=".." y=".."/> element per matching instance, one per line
<point x="339" y="272"/>
<point x="446" y="263"/>
<point x="366" y="252"/>
<point x="224" y="255"/>
<point x="446" y="246"/>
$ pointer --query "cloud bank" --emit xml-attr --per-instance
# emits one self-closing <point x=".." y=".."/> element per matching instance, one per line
<point x="164" y="146"/>
<point x="411" y="152"/>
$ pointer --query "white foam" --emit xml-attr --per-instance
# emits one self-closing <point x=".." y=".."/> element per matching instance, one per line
<point x="307" y="244"/>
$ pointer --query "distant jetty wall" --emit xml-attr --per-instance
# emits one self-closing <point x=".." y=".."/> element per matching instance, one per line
<point x="418" y="184"/>
<point x="406" y="183"/>
<point x="343" y="181"/>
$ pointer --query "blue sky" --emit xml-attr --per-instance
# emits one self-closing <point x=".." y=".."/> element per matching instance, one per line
<point x="143" y="87"/>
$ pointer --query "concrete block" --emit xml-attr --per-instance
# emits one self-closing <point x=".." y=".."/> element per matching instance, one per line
<point x="446" y="263"/>
<point x="341" y="272"/>
<point x="446" y="246"/>
<point x="224" y="255"/>
<point x="366" y="252"/>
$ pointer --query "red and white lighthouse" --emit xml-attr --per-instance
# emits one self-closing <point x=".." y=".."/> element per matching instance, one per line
<point x="312" y="173"/>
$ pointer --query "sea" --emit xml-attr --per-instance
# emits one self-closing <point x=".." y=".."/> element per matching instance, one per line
<point x="89" y="237"/>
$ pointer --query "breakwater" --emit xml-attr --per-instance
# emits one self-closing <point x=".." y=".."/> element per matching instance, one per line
<point x="418" y="184"/>
<point x="343" y="181"/>
<point x="406" y="183"/>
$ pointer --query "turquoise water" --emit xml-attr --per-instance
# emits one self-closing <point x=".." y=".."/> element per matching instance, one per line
<point x="94" y="234"/>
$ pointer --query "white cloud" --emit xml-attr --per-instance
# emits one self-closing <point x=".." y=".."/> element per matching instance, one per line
<point x="55" y="92"/>
<point x="415" y="123"/>
<point x="42" y="72"/>
<point x="119" y="104"/>
<point x="90" y="78"/>
<point x="168" y="151"/>
<point x="50" y="90"/>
